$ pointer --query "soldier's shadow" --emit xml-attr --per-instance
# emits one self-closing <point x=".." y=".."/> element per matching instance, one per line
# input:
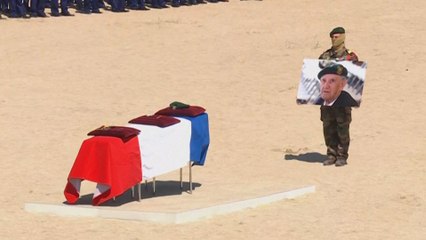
<point x="311" y="157"/>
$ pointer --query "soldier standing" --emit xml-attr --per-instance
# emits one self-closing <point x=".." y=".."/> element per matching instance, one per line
<point x="336" y="120"/>
<point x="54" y="7"/>
<point x="37" y="8"/>
<point x="17" y="9"/>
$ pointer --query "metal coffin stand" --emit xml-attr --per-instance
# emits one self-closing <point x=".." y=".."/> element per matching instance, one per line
<point x="138" y="186"/>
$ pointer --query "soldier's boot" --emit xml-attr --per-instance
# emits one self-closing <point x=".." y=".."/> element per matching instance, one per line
<point x="331" y="157"/>
<point x="330" y="161"/>
<point x="340" y="162"/>
<point x="342" y="155"/>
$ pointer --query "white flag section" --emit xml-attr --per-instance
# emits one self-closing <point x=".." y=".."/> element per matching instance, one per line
<point x="309" y="85"/>
<point x="163" y="149"/>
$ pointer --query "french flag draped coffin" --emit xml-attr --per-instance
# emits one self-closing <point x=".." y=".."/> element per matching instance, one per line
<point x="108" y="161"/>
<point x="119" y="157"/>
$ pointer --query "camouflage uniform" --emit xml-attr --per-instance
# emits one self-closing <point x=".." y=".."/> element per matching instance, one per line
<point x="336" y="120"/>
<point x="344" y="55"/>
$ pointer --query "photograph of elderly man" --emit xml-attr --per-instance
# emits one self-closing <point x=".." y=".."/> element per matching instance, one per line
<point x="333" y="80"/>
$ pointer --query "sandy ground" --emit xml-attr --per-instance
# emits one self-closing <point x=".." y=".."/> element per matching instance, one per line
<point x="62" y="77"/>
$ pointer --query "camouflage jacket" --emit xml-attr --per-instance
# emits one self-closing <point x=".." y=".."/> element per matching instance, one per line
<point x="346" y="54"/>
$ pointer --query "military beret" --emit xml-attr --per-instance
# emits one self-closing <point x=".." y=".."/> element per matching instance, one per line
<point x="337" y="30"/>
<point x="333" y="69"/>
<point x="178" y="105"/>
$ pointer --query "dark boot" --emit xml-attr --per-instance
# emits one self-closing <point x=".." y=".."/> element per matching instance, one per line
<point x="330" y="161"/>
<point x="340" y="162"/>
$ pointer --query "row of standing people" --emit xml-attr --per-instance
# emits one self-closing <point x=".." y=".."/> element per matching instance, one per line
<point x="36" y="8"/>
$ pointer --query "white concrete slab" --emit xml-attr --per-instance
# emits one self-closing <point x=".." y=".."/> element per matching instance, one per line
<point x="167" y="218"/>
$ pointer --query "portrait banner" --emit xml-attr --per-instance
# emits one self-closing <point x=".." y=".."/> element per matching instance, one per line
<point x="331" y="83"/>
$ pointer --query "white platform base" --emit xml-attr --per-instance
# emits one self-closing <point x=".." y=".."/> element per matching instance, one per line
<point x="168" y="218"/>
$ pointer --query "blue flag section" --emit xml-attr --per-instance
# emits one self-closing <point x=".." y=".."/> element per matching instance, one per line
<point x="200" y="138"/>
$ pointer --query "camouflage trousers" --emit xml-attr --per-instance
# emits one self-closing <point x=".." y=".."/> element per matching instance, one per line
<point x="336" y="121"/>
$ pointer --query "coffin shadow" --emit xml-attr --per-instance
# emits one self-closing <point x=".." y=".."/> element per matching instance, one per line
<point x="162" y="189"/>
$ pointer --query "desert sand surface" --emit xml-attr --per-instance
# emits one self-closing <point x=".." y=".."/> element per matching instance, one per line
<point x="63" y="77"/>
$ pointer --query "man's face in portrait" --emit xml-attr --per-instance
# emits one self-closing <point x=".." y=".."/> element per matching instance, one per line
<point x="331" y="87"/>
